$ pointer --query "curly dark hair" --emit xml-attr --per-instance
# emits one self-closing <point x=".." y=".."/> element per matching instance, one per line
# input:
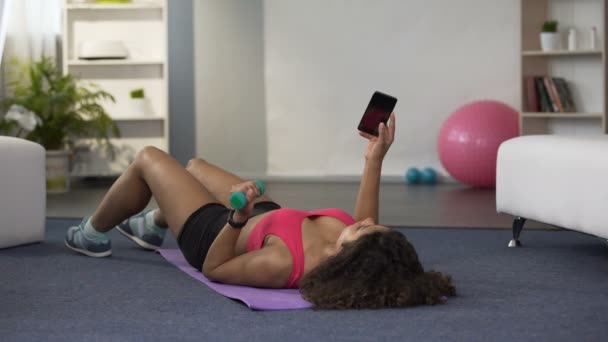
<point x="378" y="270"/>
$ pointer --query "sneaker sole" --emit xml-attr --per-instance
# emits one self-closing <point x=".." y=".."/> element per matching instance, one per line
<point x="88" y="253"/>
<point x="141" y="243"/>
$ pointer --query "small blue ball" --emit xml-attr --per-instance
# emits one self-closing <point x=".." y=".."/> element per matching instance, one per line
<point x="412" y="175"/>
<point x="429" y="176"/>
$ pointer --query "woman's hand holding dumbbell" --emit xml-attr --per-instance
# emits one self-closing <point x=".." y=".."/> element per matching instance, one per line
<point x="244" y="194"/>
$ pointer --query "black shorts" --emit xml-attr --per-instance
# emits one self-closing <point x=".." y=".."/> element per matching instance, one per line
<point x="204" y="225"/>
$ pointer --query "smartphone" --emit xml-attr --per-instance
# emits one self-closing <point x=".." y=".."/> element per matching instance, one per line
<point x="378" y="110"/>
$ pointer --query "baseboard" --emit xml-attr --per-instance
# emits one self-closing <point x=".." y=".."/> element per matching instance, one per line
<point x="391" y="179"/>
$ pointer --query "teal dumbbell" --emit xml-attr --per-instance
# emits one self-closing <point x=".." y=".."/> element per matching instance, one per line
<point x="413" y="175"/>
<point x="429" y="176"/>
<point x="238" y="200"/>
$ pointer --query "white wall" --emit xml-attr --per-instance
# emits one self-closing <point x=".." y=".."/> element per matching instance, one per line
<point x="324" y="59"/>
<point x="229" y="79"/>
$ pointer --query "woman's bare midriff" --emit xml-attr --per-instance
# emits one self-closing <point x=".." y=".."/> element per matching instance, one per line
<point x="318" y="232"/>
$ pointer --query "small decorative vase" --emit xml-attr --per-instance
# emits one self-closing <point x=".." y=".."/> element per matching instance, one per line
<point x="550" y="41"/>
<point x="57" y="172"/>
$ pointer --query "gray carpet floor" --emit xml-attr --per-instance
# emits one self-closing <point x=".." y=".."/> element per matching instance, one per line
<point x="552" y="289"/>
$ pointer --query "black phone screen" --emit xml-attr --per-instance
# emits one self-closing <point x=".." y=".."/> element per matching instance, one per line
<point x="378" y="110"/>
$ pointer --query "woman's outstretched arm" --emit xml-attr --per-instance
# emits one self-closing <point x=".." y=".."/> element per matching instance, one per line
<point x="368" y="199"/>
<point x="367" y="204"/>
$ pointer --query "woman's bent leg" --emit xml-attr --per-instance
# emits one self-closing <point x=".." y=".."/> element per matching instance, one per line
<point x="153" y="173"/>
<point x="215" y="180"/>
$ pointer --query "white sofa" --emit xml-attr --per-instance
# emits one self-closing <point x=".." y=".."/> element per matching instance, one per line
<point x="554" y="179"/>
<point x="22" y="192"/>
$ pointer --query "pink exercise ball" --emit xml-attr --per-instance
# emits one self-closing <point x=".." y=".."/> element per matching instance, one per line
<point x="470" y="137"/>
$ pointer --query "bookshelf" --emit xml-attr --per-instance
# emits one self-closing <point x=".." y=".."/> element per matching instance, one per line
<point x="142" y="27"/>
<point x="584" y="69"/>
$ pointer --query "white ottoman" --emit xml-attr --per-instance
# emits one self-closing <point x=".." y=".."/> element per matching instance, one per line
<point x="22" y="192"/>
<point x="558" y="180"/>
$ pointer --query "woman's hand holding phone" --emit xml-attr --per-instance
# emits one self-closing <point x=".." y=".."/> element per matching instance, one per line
<point x="378" y="146"/>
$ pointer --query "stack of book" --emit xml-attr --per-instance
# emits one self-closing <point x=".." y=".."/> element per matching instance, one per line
<point x="548" y="94"/>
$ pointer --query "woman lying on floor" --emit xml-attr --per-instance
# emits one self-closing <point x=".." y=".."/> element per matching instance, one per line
<point x="337" y="261"/>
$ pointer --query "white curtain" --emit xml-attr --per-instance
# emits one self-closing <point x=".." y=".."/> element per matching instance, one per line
<point x="4" y="15"/>
<point x="33" y="29"/>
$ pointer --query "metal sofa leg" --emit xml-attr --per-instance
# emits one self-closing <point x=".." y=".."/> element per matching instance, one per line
<point x="518" y="225"/>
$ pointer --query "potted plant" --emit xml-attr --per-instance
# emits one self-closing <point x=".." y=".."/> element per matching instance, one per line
<point x="56" y="109"/>
<point x="549" y="37"/>
<point x="138" y="102"/>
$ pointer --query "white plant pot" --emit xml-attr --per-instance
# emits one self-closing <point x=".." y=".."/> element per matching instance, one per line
<point x="139" y="107"/>
<point x="57" y="172"/>
<point x="550" y="41"/>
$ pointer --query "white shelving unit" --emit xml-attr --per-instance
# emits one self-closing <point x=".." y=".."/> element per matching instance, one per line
<point x="114" y="62"/>
<point x="584" y="68"/>
<point x="142" y="27"/>
<point x="94" y="6"/>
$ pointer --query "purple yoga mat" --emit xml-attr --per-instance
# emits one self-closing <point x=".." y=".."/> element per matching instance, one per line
<point x="254" y="298"/>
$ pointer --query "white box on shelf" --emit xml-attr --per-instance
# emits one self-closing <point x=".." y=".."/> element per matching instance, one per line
<point x="102" y="49"/>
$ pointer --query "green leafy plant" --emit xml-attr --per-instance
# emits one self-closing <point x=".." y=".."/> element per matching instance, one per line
<point x="550" y="26"/>
<point x="66" y="108"/>
<point x="137" y="94"/>
<point x="6" y="127"/>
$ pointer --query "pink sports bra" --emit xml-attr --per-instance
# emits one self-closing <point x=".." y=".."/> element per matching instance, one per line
<point x="286" y="223"/>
